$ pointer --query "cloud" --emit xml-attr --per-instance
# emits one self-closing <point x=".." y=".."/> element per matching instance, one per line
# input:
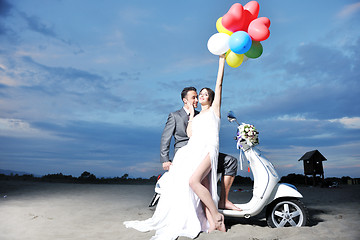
<point x="15" y="23"/>
<point x="302" y="102"/>
<point x="318" y="102"/>
<point x="285" y="131"/>
<point x="57" y="91"/>
<point x="5" y="8"/>
<point x="352" y="123"/>
<point x="36" y="25"/>
<point x="77" y="146"/>
<point x="186" y="63"/>
<point x="135" y="15"/>
<point x="319" y="82"/>
<point x="287" y="117"/>
<point x="349" y="10"/>
<point x="144" y="167"/>
<point x="109" y="104"/>
<point x="21" y="129"/>
<point x="68" y="93"/>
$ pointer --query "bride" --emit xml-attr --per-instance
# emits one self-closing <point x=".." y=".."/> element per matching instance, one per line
<point x="188" y="202"/>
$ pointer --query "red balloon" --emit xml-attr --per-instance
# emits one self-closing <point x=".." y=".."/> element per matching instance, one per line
<point x="259" y="29"/>
<point x="233" y="20"/>
<point x="251" y="12"/>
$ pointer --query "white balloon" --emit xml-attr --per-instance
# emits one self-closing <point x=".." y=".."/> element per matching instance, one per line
<point x="218" y="43"/>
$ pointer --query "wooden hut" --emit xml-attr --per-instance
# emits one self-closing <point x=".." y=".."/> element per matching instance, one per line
<point x="313" y="165"/>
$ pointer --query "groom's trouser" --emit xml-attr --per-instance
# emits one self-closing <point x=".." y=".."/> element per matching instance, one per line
<point x="227" y="165"/>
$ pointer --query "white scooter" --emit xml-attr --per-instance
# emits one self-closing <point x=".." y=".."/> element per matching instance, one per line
<point x="281" y="200"/>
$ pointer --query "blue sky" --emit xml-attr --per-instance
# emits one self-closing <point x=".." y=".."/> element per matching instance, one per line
<point x="87" y="85"/>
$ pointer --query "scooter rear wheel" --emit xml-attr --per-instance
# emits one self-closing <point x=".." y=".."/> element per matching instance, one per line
<point x="287" y="213"/>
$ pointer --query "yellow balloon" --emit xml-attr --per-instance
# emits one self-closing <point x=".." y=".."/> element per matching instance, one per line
<point x="221" y="28"/>
<point x="234" y="60"/>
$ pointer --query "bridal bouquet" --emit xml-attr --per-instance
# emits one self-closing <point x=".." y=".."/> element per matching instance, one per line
<point x="247" y="136"/>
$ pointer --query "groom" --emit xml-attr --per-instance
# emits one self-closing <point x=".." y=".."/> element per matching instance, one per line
<point x="176" y="127"/>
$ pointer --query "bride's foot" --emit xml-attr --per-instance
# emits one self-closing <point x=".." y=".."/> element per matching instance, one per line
<point x="211" y="229"/>
<point x="219" y="224"/>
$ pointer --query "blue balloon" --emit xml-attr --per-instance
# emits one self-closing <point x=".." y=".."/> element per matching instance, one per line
<point x="240" y="42"/>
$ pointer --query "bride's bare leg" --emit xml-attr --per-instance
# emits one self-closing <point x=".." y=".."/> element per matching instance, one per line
<point x="205" y="183"/>
<point x="203" y="193"/>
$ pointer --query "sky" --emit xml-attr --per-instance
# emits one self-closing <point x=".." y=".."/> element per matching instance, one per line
<point x="87" y="85"/>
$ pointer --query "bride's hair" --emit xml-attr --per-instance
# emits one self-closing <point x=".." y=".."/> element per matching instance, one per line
<point x="210" y="93"/>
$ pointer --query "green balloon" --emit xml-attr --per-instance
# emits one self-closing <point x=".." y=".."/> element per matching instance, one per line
<point x="255" y="51"/>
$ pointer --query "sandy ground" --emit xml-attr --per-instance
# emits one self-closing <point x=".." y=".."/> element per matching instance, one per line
<point x="85" y="211"/>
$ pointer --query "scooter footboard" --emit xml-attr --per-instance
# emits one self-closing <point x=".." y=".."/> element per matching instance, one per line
<point x="253" y="207"/>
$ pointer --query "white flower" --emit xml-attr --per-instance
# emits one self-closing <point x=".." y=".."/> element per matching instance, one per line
<point x="249" y="133"/>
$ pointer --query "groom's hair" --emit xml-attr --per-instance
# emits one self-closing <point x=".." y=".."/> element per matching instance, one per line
<point x="186" y="90"/>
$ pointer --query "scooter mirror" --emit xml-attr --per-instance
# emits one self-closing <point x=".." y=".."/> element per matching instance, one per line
<point x="231" y="116"/>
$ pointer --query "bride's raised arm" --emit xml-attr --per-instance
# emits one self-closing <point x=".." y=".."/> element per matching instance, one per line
<point x="218" y="87"/>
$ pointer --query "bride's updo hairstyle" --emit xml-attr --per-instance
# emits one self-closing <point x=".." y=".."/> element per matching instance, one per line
<point x="210" y="93"/>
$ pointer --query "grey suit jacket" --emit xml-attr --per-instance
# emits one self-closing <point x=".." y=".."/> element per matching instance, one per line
<point x="175" y="126"/>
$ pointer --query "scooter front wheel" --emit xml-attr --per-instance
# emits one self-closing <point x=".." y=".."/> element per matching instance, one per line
<point x="287" y="213"/>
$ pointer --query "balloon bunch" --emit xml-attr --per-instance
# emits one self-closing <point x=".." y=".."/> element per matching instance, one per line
<point x="239" y="34"/>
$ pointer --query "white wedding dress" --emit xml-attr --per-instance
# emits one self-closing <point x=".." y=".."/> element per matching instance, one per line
<point x="180" y="211"/>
